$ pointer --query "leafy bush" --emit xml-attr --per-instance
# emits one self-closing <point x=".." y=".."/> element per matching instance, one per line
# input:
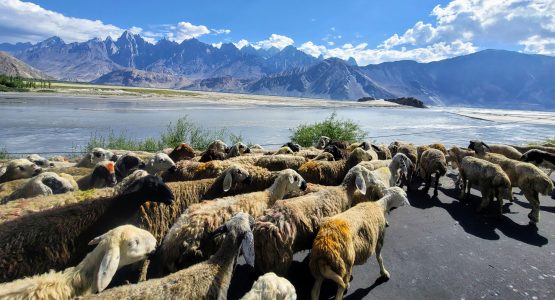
<point x="308" y="134"/>
<point x="182" y="131"/>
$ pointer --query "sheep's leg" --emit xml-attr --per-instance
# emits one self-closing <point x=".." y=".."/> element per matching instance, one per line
<point x="379" y="245"/>
<point x="463" y="188"/>
<point x="500" y="203"/>
<point x="340" y="291"/>
<point x="468" y="187"/>
<point x="534" y="200"/>
<point x="347" y="277"/>
<point x="437" y="183"/>
<point x="315" y="294"/>
<point x="428" y="182"/>
<point x="485" y="199"/>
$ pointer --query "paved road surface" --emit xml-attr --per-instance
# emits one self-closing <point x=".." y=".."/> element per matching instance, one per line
<point x="441" y="249"/>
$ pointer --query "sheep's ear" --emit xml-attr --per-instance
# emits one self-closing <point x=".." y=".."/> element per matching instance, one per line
<point x="108" y="268"/>
<point x="486" y="146"/>
<point x="360" y="184"/>
<point x="228" y="181"/>
<point x="97" y="240"/>
<point x="247" y="246"/>
<point x="376" y="147"/>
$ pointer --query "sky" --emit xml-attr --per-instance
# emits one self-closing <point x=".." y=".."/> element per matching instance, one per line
<point x="371" y="31"/>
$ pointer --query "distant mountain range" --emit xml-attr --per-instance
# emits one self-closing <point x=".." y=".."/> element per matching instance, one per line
<point x="489" y="78"/>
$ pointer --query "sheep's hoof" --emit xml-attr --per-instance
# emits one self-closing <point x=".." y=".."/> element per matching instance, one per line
<point x="385" y="275"/>
<point x="386" y="224"/>
<point x="435" y="194"/>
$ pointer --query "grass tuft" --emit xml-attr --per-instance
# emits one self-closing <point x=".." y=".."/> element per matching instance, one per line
<point x="308" y="134"/>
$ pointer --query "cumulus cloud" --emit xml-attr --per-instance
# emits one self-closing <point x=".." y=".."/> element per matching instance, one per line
<point x="530" y="23"/>
<point x="28" y="22"/>
<point x="275" y="40"/>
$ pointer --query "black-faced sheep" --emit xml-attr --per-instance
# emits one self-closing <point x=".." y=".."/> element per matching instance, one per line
<point x="127" y="164"/>
<point x="206" y="280"/>
<point x="349" y="239"/>
<point x="237" y="150"/>
<point x="188" y="240"/>
<point x="118" y="247"/>
<point x="103" y="175"/>
<point x="541" y="159"/>
<point x="57" y="238"/>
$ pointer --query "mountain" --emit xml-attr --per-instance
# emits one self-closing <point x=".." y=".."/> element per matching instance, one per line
<point x="12" y="66"/>
<point x="332" y="78"/>
<point x="489" y="78"/>
<point x="6" y="47"/>
<point x="138" y="78"/>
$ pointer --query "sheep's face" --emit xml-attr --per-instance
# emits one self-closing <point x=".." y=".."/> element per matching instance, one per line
<point x="284" y="150"/>
<point x="235" y="175"/>
<point x="150" y="188"/>
<point x="39" y="161"/>
<point x="242" y="148"/>
<point x="240" y="227"/>
<point x="162" y="162"/>
<point x="135" y="245"/>
<point x="57" y="184"/>
<point x="218" y="146"/>
<point x="322" y="142"/>
<point x="335" y="151"/>
<point x="532" y="156"/>
<point x="478" y="146"/>
<point x="104" y="175"/>
<point x="293" y="181"/>
<point x="397" y="197"/>
<point x="22" y="168"/>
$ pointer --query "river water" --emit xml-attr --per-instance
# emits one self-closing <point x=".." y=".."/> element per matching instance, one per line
<point x="31" y="123"/>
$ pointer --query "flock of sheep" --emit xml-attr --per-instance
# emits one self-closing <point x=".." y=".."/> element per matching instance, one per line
<point x="174" y="223"/>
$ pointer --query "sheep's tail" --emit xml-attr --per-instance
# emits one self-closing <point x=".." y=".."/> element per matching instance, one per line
<point x="274" y="236"/>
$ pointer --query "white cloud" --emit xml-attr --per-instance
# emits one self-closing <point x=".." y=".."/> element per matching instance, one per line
<point x="217" y="45"/>
<point x="221" y="31"/>
<point x="240" y="44"/>
<point x="275" y="40"/>
<point x="530" y="23"/>
<point x="185" y="31"/>
<point x="365" y="56"/>
<point x="28" y="22"/>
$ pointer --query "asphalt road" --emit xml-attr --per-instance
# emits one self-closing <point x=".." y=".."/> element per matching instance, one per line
<point x="440" y="248"/>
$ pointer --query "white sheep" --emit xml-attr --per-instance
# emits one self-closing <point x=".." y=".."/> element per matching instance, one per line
<point x="349" y="239"/>
<point x="529" y="178"/>
<point x="159" y="163"/>
<point x="19" y="169"/>
<point x="489" y="177"/>
<point x="118" y="247"/>
<point x="188" y="240"/>
<point x="94" y="157"/>
<point x="206" y="280"/>
<point x="40" y="161"/>
<point x="271" y="287"/>
<point x="44" y="184"/>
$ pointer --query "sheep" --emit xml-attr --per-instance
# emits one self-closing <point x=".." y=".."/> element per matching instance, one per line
<point x="293" y="146"/>
<point x="237" y="150"/>
<point x="39" y="161"/>
<point x="490" y="178"/>
<point x="411" y="152"/>
<point x="540" y="158"/>
<point x="158" y="163"/>
<point x="290" y="226"/>
<point x="375" y="164"/>
<point x="363" y="145"/>
<point x="218" y="146"/>
<point x="325" y="156"/>
<point x="189" y="170"/>
<point x="57" y="238"/>
<point x="531" y="180"/>
<point x="338" y="153"/>
<point x="350" y="238"/>
<point x="284" y="150"/>
<point x="95" y="156"/>
<point x="331" y="172"/>
<point x="383" y="152"/>
<point x="118" y="247"/>
<point x="103" y="175"/>
<point x="206" y="280"/>
<point x="524" y="149"/>
<point x="271" y="287"/>
<point x="322" y="142"/>
<point x="257" y="147"/>
<point x="280" y="162"/>
<point x="44" y="184"/>
<point x="181" y="152"/>
<point x="384" y="177"/>
<point x="422" y="148"/>
<point x="210" y="155"/>
<point x="19" y="169"/>
<point x="432" y="161"/>
<point x="456" y="154"/>
<point x="188" y="240"/>
<point x="505" y="150"/>
<point x="127" y="164"/>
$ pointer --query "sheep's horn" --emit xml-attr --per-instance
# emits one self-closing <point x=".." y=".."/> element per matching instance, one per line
<point x="486" y="146"/>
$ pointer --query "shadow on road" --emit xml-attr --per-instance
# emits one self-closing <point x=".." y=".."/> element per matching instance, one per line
<point x="362" y="293"/>
<point x="481" y="225"/>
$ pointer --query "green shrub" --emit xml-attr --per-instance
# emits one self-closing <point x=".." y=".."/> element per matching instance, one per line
<point x="308" y="134"/>
<point x="4" y="153"/>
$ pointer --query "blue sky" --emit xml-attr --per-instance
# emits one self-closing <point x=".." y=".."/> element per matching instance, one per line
<point x="370" y="31"/>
